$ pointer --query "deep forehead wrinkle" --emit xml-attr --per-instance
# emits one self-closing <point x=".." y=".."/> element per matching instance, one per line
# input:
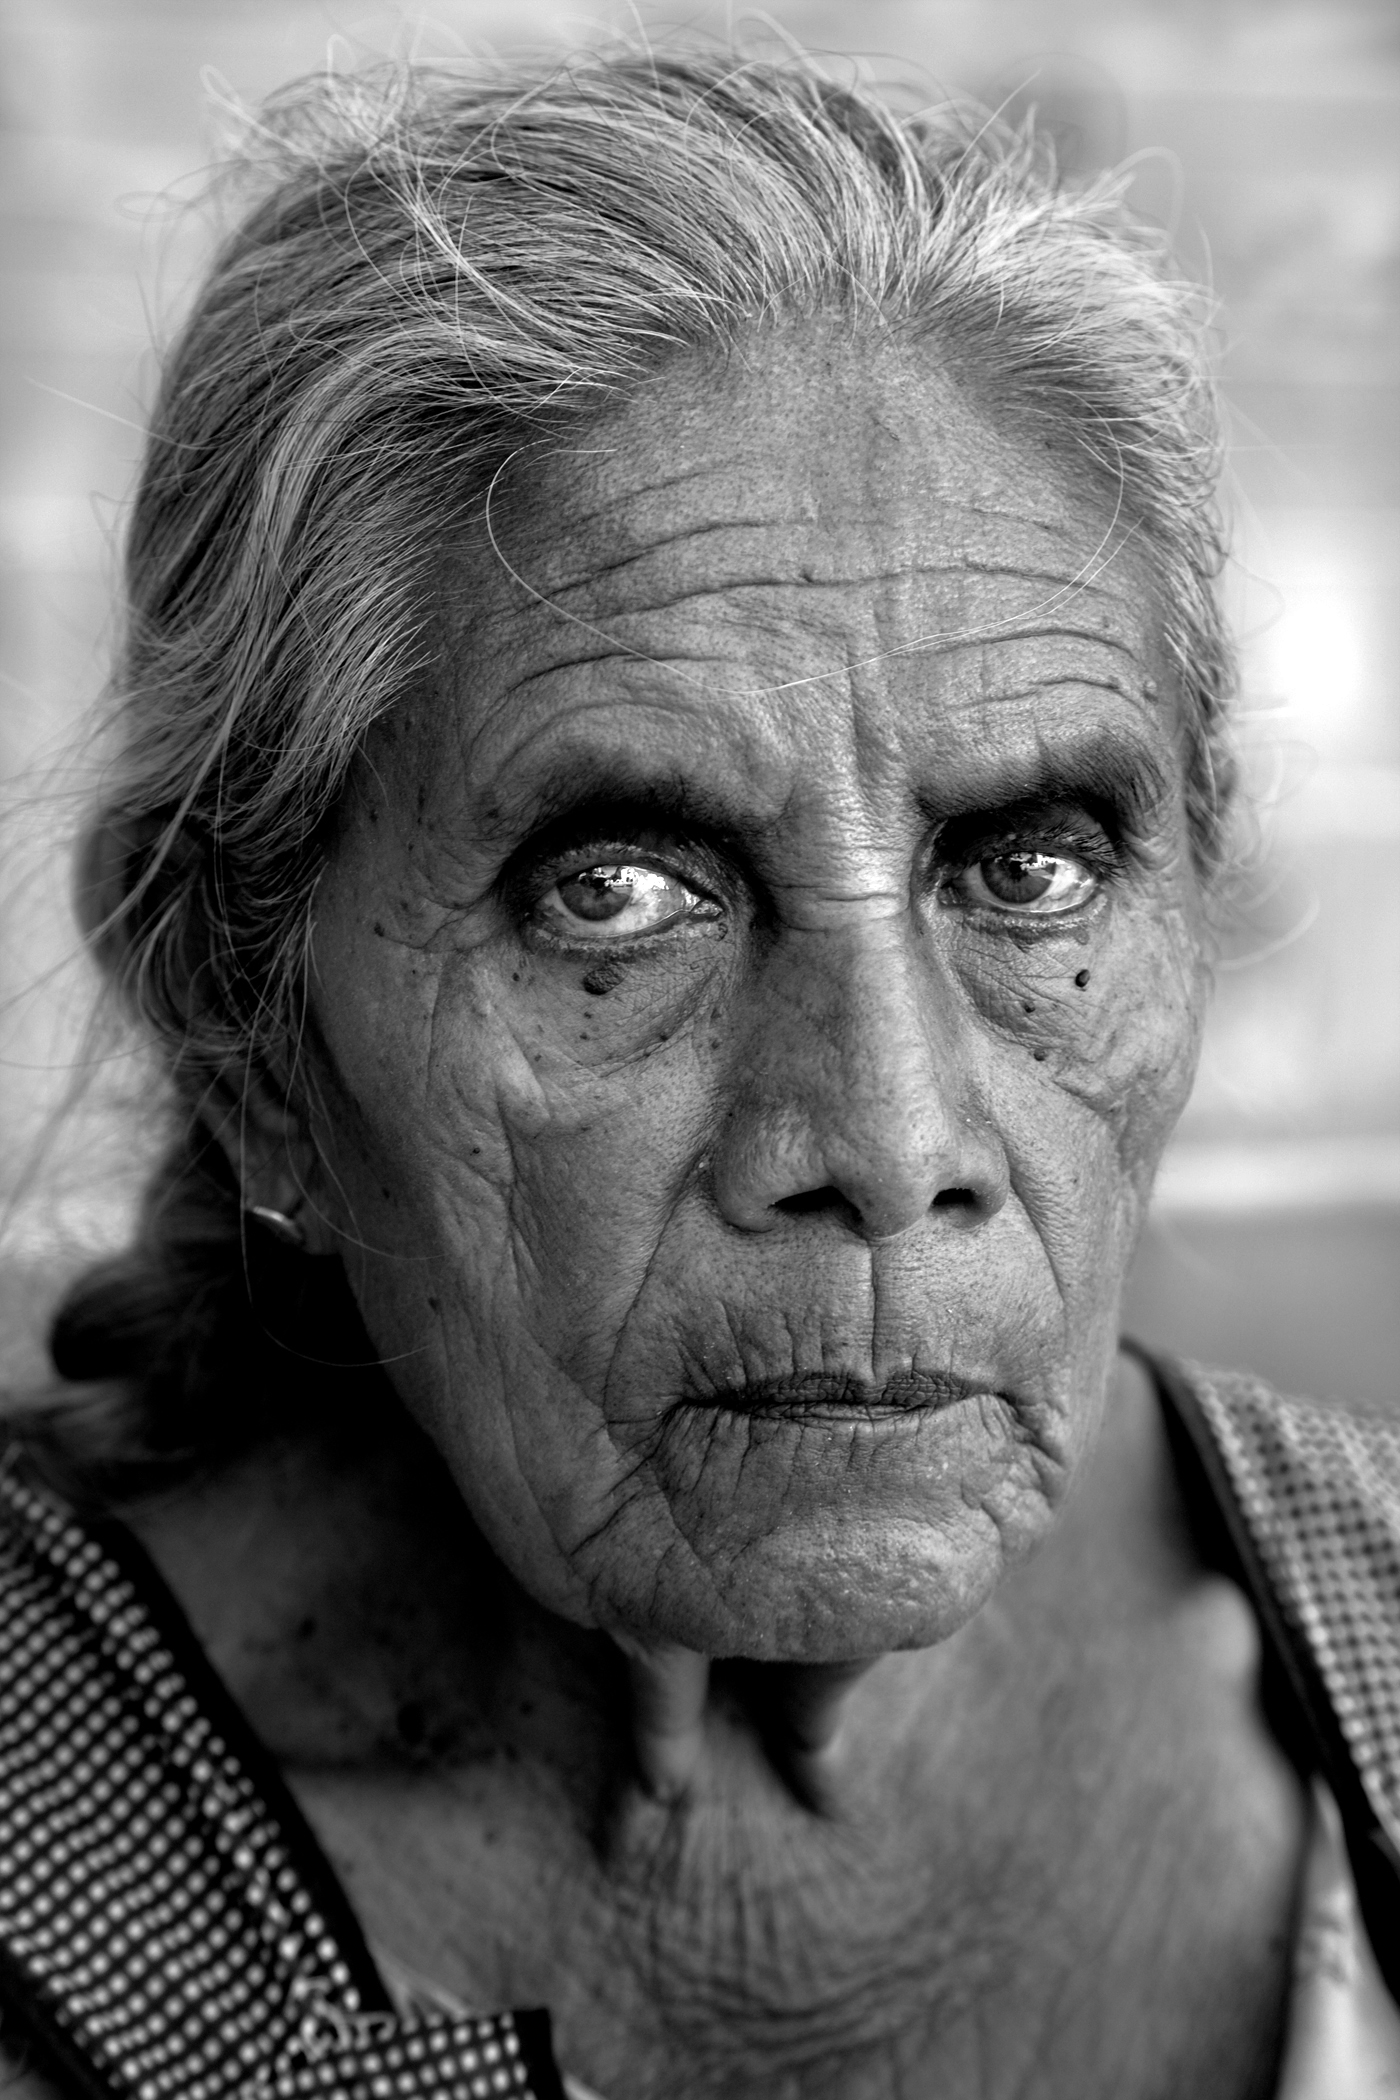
<point x="570" y="558"/>
<point x="536" y="645"/>
<point x="697" y="567"/>
<point x="800" y="575"/>
<point x="688" y="670"/>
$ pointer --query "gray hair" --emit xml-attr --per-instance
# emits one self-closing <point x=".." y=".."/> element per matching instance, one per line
<point x="437" y="266"/>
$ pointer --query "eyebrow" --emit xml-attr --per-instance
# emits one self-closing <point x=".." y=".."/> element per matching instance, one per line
<point x="1105" y="770"/>
<point x="599" y="790"/>
<point x="587" y="786"/>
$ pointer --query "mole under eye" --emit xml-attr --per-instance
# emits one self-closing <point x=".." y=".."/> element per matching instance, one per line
<point x="1022" y="880"/>
<point x="616" y="900"/>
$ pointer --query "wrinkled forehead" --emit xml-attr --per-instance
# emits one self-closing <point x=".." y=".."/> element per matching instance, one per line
<point x="816" y="531"/>
<point x="849" y="449"/>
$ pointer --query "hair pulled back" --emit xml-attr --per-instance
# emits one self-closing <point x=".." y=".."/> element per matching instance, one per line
<point x="434" y="268"/>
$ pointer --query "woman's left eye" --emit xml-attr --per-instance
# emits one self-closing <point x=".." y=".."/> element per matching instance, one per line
<point x="1021" y="880"/>
<point x="614" y="900"/>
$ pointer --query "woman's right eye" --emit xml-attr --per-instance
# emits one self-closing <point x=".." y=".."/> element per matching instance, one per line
<point x="619" y="900"/>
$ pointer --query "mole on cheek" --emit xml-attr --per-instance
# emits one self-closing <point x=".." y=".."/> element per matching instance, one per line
<point x="603" y="977"/>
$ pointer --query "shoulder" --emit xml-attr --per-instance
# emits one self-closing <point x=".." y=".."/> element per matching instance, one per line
<point x="1316" y="1482"/>
<point x="1309" y="1493"/>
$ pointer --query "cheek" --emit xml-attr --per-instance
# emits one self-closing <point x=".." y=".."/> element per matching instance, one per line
<point x="1129" y="1040"/>
<point x="529" y="1138"/>
<point x="1093" y="1046"/>
<point x="1109" y="1018"/>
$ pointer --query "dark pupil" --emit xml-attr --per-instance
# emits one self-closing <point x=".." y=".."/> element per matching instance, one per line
<point x="1018" y="878"/>
<point x="601" y="893"/>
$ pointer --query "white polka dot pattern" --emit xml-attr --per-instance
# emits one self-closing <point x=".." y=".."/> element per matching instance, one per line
<point x="1318" y="1485"/>
<point x="149" y="1899"/>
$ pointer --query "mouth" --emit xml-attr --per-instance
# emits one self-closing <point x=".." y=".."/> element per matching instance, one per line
<point x="846" y="1396"/>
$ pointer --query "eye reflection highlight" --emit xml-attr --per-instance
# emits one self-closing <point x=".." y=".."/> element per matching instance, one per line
<point x="1026" y="881"/>
<point x="613" y="900"/>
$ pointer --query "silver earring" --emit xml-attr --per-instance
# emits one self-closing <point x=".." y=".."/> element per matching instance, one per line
<point x="289" y="1230"/>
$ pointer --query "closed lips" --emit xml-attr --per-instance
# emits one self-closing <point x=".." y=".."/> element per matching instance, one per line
<point x="846" y="1393"/>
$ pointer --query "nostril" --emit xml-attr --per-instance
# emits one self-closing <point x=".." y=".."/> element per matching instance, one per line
<point x="825" y="1202"/>
<point x="809" y="1201"/>
<point x="828" y="1201"/>
<point x="955" y="1199"/>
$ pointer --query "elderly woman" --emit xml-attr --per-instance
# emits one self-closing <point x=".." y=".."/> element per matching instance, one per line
<point x="665" y="830"/>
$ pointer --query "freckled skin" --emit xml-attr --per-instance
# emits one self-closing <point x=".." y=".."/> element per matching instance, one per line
<point x="849" y="1124"/>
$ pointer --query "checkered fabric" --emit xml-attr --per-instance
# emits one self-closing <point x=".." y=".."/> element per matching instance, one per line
<point x="170" y="1932"/>
<point x="1318" y="1486"/>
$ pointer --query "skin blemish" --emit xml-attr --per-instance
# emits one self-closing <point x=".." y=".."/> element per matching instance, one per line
<point x="1081" y="978"/>
<point x="603" y="977"/>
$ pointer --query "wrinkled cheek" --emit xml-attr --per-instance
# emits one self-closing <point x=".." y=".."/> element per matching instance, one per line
<point x="1135" y="1072"/>
<point x="584" y="1168"/>
<point x="1114" y="1030"/>
<point x="1094" y="1056"/>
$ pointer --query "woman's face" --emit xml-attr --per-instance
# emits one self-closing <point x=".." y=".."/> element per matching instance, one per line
<point x="755" y="988"/>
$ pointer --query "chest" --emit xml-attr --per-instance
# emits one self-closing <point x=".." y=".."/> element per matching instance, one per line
<point x="1099" y="1905"/>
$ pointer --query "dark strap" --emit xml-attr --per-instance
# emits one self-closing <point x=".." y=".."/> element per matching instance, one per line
<point x="1307" y="1497"/>
<point x="169" y="1927"/>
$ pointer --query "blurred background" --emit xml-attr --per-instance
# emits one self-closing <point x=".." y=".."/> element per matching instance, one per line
<point x="1265" y="134"/>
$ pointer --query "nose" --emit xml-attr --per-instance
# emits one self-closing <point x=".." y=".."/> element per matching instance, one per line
<point x="854" y="1092"/>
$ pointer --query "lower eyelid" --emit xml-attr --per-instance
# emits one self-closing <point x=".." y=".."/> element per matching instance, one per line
<point x="562" y="928"/>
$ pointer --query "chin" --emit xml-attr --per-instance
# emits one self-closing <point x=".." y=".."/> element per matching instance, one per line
<point x="805" y="1608"/>
<point x="827" y="1537"/>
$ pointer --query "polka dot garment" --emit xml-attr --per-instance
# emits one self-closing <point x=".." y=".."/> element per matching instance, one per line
<point x="168" y="1925"/>
<point x="1309" y="1494"/>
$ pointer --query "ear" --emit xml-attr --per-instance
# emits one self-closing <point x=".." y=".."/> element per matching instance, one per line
<point x="265" y="1135"/>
